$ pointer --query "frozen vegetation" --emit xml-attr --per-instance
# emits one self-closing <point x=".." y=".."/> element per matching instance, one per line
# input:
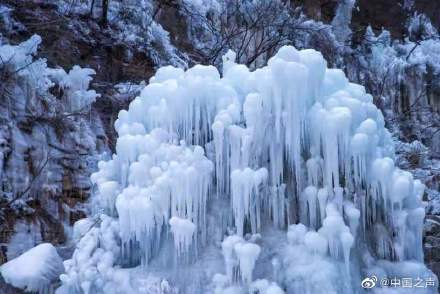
<point x="44" y="125"/>
<point x="43" y="118"/>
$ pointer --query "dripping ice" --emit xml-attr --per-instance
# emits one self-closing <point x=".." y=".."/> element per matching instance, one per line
<point x="278" y="180"/>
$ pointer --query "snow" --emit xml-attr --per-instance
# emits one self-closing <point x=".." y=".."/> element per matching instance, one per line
<point x="81" y="227"/>
<point x="21" y="55"/>
<point x="35" y="269"/>
<point x="76" y="84"/>
<point x="208" y="162"/>
<point x="132" y="23"/>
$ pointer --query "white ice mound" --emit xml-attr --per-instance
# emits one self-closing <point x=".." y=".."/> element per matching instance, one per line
<point x="201" y="156"/>
<point x="35" y="269"/>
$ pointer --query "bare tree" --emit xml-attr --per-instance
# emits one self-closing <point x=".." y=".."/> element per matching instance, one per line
<point x="253" y="29"/>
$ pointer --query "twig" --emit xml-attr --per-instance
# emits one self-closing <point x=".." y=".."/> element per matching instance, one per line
<point x="40" y="170"/>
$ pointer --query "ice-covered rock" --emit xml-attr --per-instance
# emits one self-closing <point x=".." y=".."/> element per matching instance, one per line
<point x="34" y="270"/>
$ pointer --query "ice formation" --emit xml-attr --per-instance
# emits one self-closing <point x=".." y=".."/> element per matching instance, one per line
<point x="34" y="270"/>
<point x="183" y="232"/>
<point x="202" y="154"/>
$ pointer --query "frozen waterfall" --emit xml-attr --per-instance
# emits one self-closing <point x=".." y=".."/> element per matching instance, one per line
<point x="278" y="180"/>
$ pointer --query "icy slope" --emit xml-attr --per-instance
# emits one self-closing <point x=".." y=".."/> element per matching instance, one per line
<point x="206" y="164"/>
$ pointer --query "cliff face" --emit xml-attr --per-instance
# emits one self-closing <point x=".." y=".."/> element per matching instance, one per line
<point x="48" y="152"/>
<point x="391" y="15"/>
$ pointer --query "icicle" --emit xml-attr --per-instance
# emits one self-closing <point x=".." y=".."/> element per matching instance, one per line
<point x="296" y="234"/>
<point x="314" y="172"/>
<point x="229" y="255"/>
<point x="311" y="195"/>
<point x="400" y="224"/>
<point x="278" y="206"/>
<point x="347" y="241"/>
<point x="415" y="248"/>
<point x="401" y="187"/>
<point x="359" y="148"/>
<point x="353" y="215"/>
<point x="338" y="198"/>
<point x="247" y="254"/>
<point x="322" y="200"/>
<point x="316" y="243"/>
<point x="245" y="201"/>
<point x="382" y="170"/>
<point x="333" y="228"/>
<point x="218" y="131"/>
<point x="183" y="231"/>
<point x="107" y="195"/>
<point x="336" y="128"/>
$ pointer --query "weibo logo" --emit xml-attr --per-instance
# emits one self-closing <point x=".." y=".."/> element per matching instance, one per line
<point x="369" y="282"/>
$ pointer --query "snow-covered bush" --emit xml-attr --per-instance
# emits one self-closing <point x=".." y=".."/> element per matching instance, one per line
<point x="76" y="85"/>
<point x="132" y="24"/>
<point x="136" y="25"/>
<point x="17" y="62"/>
<point x="404" y="76"/>
<point x="420" y="28"/>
